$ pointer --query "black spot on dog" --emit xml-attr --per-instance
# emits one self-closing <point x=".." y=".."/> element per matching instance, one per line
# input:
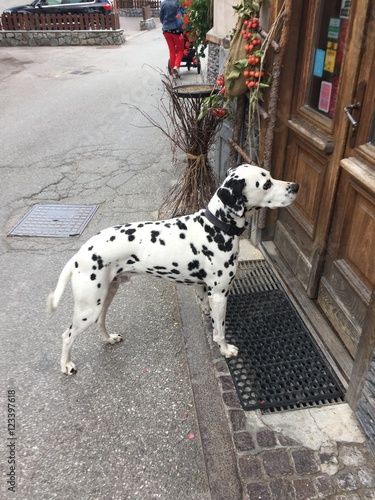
<point x="99" y="301"/>
<point x="99" y="285"/>
<point x="93" y="277"/>
<point x="181" y="225"/>
<point x="112" y="238"/>
<point x="194" y="264"/>
<point x="220" y="273"/>
<point x="182" y="236"/>
<point x="94" y="257"/>
<point x="140" y="225"/>
<point x="160" y="267"/>
<point x="264" y="175"/>
<point x="174" y="271"/>
<point x="193" y="249"/>
<point x="84" y="319"/>
<point x="267" y="185"/>
<point x="211" y="230"/>
<point x="130" y="231"/>
<point x="90" y="248"/>
<point x="201" y="274"/>
<point x="94" y="268"/>
<point x="131" y="237"/>
<point x="120" y="270"/>
<point x="162" y="242"/>
<point x="257" y="184"/>
<point x="76" y="265"/>
<point x="231" y="194"/>
<point x="174" y="264"/>
<point x="206" y="252"/>
<point x="135" y="258"/>
<point x="154" y="235"/>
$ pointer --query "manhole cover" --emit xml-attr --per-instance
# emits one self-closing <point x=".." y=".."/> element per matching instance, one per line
<point x="56" y="221"/>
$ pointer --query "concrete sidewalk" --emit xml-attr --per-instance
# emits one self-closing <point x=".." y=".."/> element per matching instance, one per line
<point x="157" y="415"/>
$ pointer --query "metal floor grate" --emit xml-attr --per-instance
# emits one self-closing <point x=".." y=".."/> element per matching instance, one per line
<point x="57" y="221"/>
<point x="279" y="366"/>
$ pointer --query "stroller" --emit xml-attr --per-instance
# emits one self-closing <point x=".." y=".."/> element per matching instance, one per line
<point x="188" y="61"/>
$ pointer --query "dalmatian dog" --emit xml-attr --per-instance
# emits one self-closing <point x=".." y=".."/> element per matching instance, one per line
<point x="199" y="249"/>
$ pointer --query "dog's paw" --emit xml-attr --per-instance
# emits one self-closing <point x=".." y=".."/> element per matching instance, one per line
<point x="114" y="339"/>
<point x="69" y="369"/>
<point x="230" y="351"/>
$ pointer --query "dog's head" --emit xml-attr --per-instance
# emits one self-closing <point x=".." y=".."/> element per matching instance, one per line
<point x="247" y="187"/>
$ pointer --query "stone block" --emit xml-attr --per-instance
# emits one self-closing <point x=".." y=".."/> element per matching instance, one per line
<point x="304" y="489"/>
<point x="148" y="24"/>
<point x="305" y="462"/>
<point x="259" y="490"/>
<point x="276" y="463"/>
<point x="325" y="486"/>
<point x="250" y="468"/>
<point x="266" y="438"/>
<point x="243" y="441"/>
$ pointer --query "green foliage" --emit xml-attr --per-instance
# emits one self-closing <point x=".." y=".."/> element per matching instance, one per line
<point x="198" y="23"/>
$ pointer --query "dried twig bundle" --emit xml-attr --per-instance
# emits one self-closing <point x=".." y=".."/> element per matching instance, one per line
<point x="194" y="133"/>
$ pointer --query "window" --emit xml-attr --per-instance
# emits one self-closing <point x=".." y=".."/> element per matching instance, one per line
<point x="329" y="46"/>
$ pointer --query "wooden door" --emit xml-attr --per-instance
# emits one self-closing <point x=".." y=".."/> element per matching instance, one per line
<point x="327" y="235"/>
<point x="346" y="289"/>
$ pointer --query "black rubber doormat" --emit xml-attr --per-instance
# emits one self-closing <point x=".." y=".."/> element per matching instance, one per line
<point x="56" y="221"/>
<point x="279" y="366"/>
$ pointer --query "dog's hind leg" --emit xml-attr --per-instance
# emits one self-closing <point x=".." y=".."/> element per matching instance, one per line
<point x="201" y="292"/>
<point x="80" y="323"/>
<point x="218" y="305"/>
<point x="110" y="338"/>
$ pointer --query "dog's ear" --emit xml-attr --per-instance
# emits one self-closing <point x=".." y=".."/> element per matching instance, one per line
<point x="231" y="195"/>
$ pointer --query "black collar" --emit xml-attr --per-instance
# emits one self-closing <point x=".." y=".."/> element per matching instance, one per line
<point x="229" y="229"/>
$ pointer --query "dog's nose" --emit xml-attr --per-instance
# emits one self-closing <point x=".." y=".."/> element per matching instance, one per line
<point x="294" y="187"/>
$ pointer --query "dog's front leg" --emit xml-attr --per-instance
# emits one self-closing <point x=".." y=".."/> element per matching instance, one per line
<point x="218" y="305"/>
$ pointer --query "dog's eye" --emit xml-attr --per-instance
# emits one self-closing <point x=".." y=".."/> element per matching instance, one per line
<point x="267" y="185"/>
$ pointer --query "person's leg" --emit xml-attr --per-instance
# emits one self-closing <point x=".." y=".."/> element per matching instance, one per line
<point x="180" y="47"/>
<point x="169" y="38"/>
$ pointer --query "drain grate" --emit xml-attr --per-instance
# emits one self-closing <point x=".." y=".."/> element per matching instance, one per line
<point x="279" y="366"/>
<point x="57" y="221"/>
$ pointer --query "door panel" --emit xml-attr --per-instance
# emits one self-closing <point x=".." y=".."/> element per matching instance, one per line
<point x="349" y="273"/>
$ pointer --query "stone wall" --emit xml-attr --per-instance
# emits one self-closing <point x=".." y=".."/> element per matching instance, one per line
<point x="60" y="38"/>
<point x="137" y="13"/>
<point x="365" y="411"/>
<point x="217" y="55"/>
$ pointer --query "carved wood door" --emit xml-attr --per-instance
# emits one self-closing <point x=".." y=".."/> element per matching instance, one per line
<point x="328" y="235"/>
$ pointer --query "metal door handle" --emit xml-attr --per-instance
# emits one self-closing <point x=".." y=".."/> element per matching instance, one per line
<point x="349" y="109"/>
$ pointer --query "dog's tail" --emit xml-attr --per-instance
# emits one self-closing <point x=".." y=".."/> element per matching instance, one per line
<point x="54" y="298"/>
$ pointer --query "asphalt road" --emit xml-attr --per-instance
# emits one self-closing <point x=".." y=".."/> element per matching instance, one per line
<point x="125" y="426"/>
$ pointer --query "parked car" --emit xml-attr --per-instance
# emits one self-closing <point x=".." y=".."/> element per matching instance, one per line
<point x="64" y="7"/>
